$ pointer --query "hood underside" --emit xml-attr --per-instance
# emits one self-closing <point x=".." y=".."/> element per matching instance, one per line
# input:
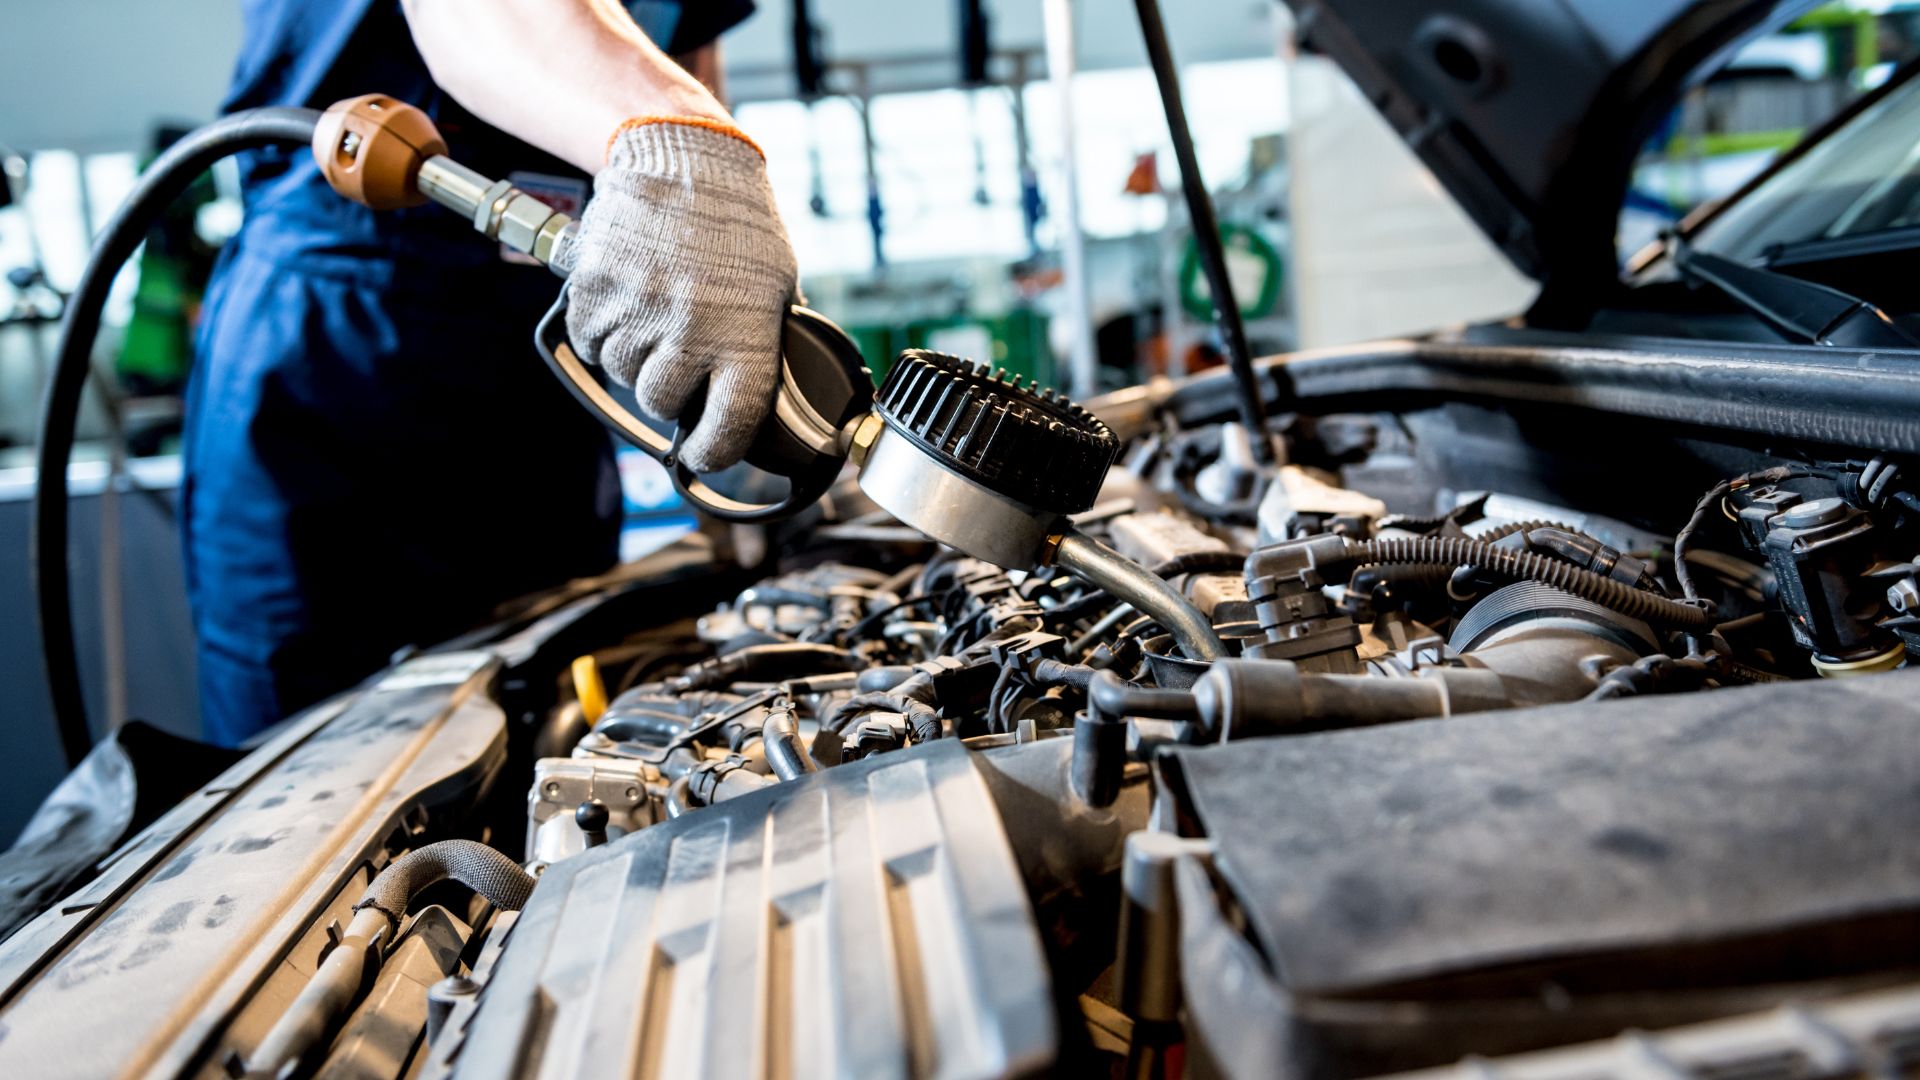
<point x="1531" y="112"/>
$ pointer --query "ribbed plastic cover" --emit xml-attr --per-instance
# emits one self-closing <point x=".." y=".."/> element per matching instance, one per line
<point x="867" y="921"/>
<point x="1024" y="441"/>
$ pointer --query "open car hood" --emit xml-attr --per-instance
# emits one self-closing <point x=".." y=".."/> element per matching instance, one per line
<point x="1531" y="112"/>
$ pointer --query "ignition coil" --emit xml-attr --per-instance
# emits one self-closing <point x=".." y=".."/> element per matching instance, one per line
<point x="1822" y="552"/>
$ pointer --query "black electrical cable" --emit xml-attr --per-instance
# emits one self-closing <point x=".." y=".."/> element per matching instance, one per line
<point x="1206" y="230"/>
<point x="867" y="625"/>
<point x="1701" y="509"/>
<point x="956" y="635"/>
<point x="169" y="175"/>
<point x="1079" y="608"/>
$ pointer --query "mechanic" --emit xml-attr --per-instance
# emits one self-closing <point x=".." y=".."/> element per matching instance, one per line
<point x="375" y="457"/>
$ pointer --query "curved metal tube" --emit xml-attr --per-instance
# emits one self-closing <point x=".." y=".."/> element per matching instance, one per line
<point x="1140" y="587"/>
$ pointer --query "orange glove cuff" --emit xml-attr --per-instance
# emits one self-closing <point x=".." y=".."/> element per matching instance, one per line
<point x="720" y="126"/>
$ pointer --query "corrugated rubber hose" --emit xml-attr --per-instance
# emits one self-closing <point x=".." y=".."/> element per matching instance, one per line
<point x="1651" y="608"/>
<point x="485" y="870"/>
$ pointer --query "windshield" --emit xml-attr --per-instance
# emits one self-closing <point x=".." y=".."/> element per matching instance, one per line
<point x="1863" y="178"/>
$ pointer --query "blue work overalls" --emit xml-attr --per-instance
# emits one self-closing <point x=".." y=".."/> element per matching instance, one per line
<point x="375" y="455"/>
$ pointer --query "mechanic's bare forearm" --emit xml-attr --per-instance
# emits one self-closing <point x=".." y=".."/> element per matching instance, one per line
<point x="559" y="74"/>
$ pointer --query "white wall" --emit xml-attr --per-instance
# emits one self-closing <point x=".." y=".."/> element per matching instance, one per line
<point x="1108" y="34"/>
<point x="95" y="75"/>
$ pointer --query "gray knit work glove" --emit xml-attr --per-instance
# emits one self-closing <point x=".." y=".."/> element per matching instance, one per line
<point x="680" y="277"/>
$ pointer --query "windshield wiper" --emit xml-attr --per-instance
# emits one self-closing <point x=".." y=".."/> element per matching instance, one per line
<point x="1899" y="239"/>
<point x="1798" y="309"/>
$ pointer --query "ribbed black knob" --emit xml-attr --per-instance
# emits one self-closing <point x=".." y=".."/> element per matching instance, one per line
<point x="1025" y="442"/>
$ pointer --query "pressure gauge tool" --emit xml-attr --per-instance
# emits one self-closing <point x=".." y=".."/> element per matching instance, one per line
<point x="977" y="459"/>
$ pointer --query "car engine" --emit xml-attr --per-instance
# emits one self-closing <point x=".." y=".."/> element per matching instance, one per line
<point x="1343" y="590"/>
<point x="1434" y="738"/>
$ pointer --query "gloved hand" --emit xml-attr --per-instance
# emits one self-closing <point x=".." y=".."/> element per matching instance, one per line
<point x="681" y="274"/>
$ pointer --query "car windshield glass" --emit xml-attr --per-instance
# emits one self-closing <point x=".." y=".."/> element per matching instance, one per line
<point x="1863" y="178"/>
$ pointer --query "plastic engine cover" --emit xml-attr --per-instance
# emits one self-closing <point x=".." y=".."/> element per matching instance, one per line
<point x="870" y="921"/>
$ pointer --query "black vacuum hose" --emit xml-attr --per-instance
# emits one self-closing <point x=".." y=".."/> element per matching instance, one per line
<point x="170" y="174"/>
<point x="780" y="738"/>
<point x="1201" y="562"/>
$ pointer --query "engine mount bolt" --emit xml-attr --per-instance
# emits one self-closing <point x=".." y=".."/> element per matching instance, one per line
<point x="1904" y="596"/>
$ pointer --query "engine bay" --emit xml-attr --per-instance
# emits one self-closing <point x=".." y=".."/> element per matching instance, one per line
<point x="1527" y="699"/>
<point x="1352" y="588"/>
<point x="1434" y="739"/>
<point x="1334" y="608"/>
<point x="1348" y="589"/>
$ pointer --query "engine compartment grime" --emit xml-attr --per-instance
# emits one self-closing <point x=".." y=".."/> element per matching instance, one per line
<point x="1387" y="754"/>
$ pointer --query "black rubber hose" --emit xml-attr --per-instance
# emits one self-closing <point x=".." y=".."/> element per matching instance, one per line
<point x="887" y="677"/>
<point x="1635" y="603"/>
<point x="1423" y="575"/>
<point x="1206" y="230"/>
<point x="780" y="738"/>
<point x="712" y="782"/>
<point x="1115" y="698"/>
<point x="170" y="174"/>
<point x="1590" y="554"/>
<point x="485" y="870"/>
<point x="1501" y="532"/>
<point x="1062" y="673"/>
<point x="1201" y="562"/>
<point x="1367" y="578"/>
